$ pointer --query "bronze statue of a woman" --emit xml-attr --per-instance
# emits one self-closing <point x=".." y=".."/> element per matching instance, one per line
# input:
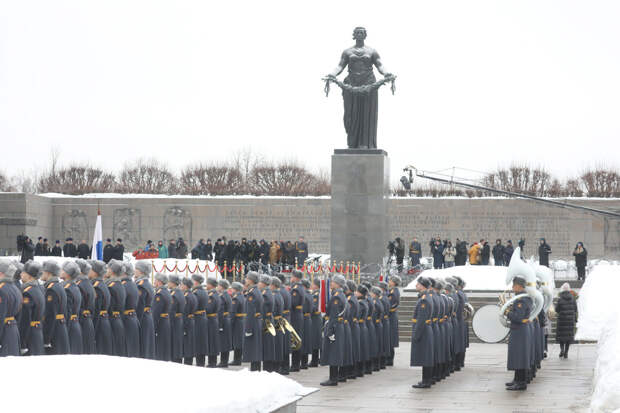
<point x="359" y="91"/>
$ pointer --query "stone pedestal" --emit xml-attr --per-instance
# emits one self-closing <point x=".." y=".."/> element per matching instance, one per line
<point x="359" y="206"/>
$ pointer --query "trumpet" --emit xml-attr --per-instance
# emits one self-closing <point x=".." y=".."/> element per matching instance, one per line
<point x="295" y="339"/>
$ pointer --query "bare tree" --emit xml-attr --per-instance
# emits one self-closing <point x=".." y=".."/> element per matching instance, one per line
<point x="146" y="177"/>
<point x="521" y="179"/>
<point x="5" y="184"/>
<point x="211" y="180"/>
<point x="601" y="182"/>
<point x="286" y="179"/>
<point x="75" y="180"/>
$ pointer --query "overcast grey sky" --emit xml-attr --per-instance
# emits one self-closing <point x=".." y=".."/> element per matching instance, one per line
<point x="480" y="83"/>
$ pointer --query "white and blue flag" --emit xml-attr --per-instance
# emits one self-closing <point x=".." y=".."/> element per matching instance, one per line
<point x="97" y="251"/>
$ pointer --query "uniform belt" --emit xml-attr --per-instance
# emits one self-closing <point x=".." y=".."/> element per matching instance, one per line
<point x="211" y="315"/>
<point x="525" y="320"/>
<point x="58" y="317"/>
<point x="326" y="318"/>
<point x="257" y="314"/>
<point x="164" y="315"/>
<point x="435" y="320"/>
<point x="385" y="317"/>
<point x="442" y="320"/>
<point x="428" y="321"/>
<point x="286" y="311"/>
<point x="393" y="309"/>
<point x="369" y="318"/>
<point x="178" y="315"/>
<point x="240" y="315"/>
<point x="190" y="316"/>
<point x="35" y="323"/>
<point x="414" y="320"/>
<point x="306" y="314"/>
<point x="116" y="313"/>
<point x="267" y="314"/>
<point x="147" y="309"/>
<point x="278" y="317"/>
<point x="9" y="319"/>
<point x="298" y="307"/>
<point x="225" y="313"/>
<point x="340" y="319"/>
<point x="317" y="313"/>
<point x="129" y="312"/>
<point x="103" y="313"/>
<point x="85" y="313"/>
<point x="354" y="320"/>
<point x="73" y="317"/>
<point x="200" y="312"/>
<point x="378" y="320"/>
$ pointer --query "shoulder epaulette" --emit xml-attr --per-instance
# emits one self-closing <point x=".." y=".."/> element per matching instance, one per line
<point x="1" y="285"/>
<point x="27" y="288"/>
<point x="123" y="282"/>
<point x="51" y="285"/>
<point x="96" y="284"/>
<point x="112" y="284"/>
<point x="295" y="286"/>
<point x="140" y="282"/>
<point x="185" y="295"/>
<point x="424" y="297"/>
<point x="67" y="286"/>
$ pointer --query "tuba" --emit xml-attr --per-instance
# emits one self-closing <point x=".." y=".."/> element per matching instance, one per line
<point x="295" y="339"/>
<point x="269" y="328"/>
<point x="519" y="268"/>
<point x="468" y="311"/>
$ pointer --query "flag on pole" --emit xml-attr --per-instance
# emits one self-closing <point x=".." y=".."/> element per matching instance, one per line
<point x="324" y="295"/>
<point x="97" y="250"/>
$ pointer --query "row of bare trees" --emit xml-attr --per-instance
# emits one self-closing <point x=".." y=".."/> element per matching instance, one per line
<point x="598" y="182"/>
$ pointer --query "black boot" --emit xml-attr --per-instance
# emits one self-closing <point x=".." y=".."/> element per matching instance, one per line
<point x="360" y="369"/>
<point x="333" y="377"/>
<point x="236" y="358"/>
<point x="212" y="361"/>
<point x="224" y="359"/>
<point x="368" y="367"/>
<point x="390" y="360"/>
<point x="342" y="375"/>
<point x="426" y="379"/>
<point x="315" y="359"/>
<point x="566" y="350"/>
<point x="382" y="361"/>
<point x="519" y="384"/>
<point x="284" y="368"/>
<point x="255" y="366"/>
<point x="188" y="361"/>
<point x="296" y="360"/>
<point x="351" y="372"/>
<point x="376" y="366"/>
<point x="200" y="360"/>
<point x="304" y="362"/>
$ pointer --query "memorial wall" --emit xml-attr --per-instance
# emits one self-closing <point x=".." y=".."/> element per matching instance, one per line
<point x="138" y="219"/>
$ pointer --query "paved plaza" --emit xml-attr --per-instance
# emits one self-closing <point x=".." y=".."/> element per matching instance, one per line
<point x="561" y="386"/>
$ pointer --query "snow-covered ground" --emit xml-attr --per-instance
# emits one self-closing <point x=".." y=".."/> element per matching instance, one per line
<point x="138" y="385"/>
<point x="599" y="319"/>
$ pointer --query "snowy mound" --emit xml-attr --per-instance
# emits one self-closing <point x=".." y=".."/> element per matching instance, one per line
<point x="597" y="301"/>
<point x="606" y="395"/>
<point x="138" y="385"/>
<point x="476" y="277"/>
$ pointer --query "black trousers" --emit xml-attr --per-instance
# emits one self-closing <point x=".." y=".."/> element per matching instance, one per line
<point x="564" y="347"/>
<point x="581" y="273"/>
<point x="188" y="360"/>
<point x="200" y="360"/>
<point x="520" y="376"/>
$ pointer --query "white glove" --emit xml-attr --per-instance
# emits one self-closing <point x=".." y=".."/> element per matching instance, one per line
<point x="332" y="338"/>
<point x="248" y="334"/>
<point x="47" y="345"/>
<point x="221" y="329"/>
<point x="23" y="351"/>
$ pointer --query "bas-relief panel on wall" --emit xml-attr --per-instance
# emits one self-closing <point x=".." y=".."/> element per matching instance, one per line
<point x="177" y="224"/>
<point x="74" y="224"/>
<point x="128" y="226"/>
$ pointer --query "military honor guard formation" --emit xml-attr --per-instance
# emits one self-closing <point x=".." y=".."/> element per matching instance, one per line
<point x="90" y="307"/>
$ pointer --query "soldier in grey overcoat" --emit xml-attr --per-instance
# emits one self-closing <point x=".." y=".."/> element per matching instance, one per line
<point x="253" y="334"/>
<point x="200" y="320"/>
<point x="317" y="323"/>
<point x="422" y="337"/>
<point x="238" y="315"/>
<point x="298" y="292"/>
<point x="333" y="337"/>
<point x="224" y="314"/>
<point x="269" y="339"/>
<point x="394" y="298"/>
<point x="213" y="325"/>
<point x="519" y="341"/>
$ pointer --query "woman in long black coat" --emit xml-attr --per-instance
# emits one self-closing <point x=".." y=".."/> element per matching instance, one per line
<point x="566" y="309"/>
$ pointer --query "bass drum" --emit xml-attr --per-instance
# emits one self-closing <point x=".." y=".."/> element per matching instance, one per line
<point x="487" y="326"/>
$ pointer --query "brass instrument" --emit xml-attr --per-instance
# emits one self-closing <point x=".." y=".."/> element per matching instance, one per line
<point x="269" y="328"/>
<point x="295" y="339"/>
<point x="468" y="311"/>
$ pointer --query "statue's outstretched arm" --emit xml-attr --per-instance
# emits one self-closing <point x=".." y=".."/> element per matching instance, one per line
<point x="344" y="59"/>
<point x="379" y="65"/>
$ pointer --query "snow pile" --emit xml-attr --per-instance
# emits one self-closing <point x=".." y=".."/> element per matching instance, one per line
<point x="157" y="386"/>
<point x="599" y="319"/>
<point x="476" y="277"/>
<point x="597" y="302"/>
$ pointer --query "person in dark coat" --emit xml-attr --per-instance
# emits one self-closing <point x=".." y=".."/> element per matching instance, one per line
<point x="566" y="310"/>
<point x="189" y="324"/>
<point x="223" y="315"/>
<point x="55" y="334"/>
<point x="108" y="251"/>
<point x="177" y="308"/>
<point x="118" y="296"/>
<point x="415" y="252"/>
<point x="39" y="250"/>
<point x="485" y="253"/>
<point x="69" y="249"/>
<point x="30" y="328"/>
<point x="172" y="249"/>
<point x="278" y="305"/>
<point x="498" y="253"/>
<point x="83" y="250"/>
<point x="11" y="301"/>
<point x="253" y="334"/>
<point x="306" y="345"/>
<point x="317" y="323"/>
<point x="87" y="308"/>
<point x="209" y="250"/>
<point x="101" y="317"/>
<point x="373" y="350"/>
<point x="286" y="315"/>
<point x="508" y="250"/>
<point x="144" y="305"/>
<point x="27" y="251"/>
<point x="581" y="260"/>
<point x="130" y="318"/>
<point x="69" y="274"/>
<point x="119" y="250"/>
<point x="301" y="251"/>
<point x="422" y="337"/>
<point x="269" y="340"/>
<point x="544" y="250"/>
<point x="200" y="320"/>
<point x="437" y="253"/>
<point x="181" y="249"/>
<point x="332" y="351"/>
<point x="393" y="295"/>
<point x="162" y="304"/>
<point x="351" y="371"/>
<point x="519" y="349"/>
<point x="362" y="314"/>
<point x="298" y="292"/>
<point x="238" y="314"/>
<point x="213" y="325"/>
<point x="387" y="335"/>
<point x="56" y="250"/>
<point x="377" y="316"/>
